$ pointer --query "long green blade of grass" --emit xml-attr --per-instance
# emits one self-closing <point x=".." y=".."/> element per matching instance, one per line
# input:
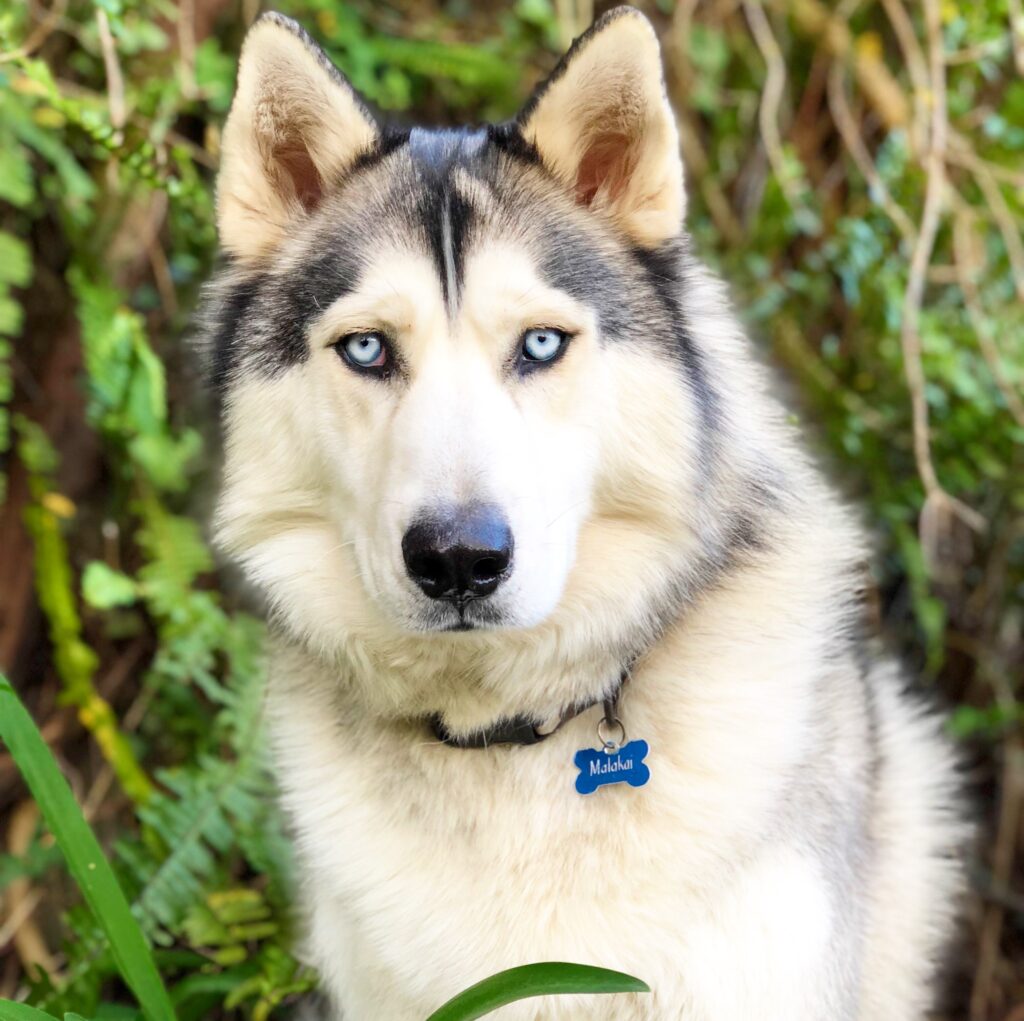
<point x="549" y="979"/>
<point x="89" y="868"/>
<point x="10" y="1011"/>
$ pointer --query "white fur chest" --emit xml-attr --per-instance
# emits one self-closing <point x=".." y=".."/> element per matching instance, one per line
<point x="427" y="868"/>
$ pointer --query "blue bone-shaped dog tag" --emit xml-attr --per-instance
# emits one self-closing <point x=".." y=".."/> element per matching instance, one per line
<point x="599" y="767"/>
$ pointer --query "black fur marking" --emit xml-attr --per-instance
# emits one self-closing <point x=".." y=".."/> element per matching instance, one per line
<point x="436" y="151"/>
<point x="570" y="261"/>
<point x="573" y="263"/>
<point x="664" y="268"/>
<point x="460" y="220"/>
<point x="744" y="534"/>
<point x="508" y="138"/>
<point x="226" y="317"/>
<point x="260" y="323"/>
<point x="388" y="141"/>
<point x="444" y="214"/>
<point x="303" y="293"/>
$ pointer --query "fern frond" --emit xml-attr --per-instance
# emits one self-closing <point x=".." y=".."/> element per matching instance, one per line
<point x="196" y="820"/>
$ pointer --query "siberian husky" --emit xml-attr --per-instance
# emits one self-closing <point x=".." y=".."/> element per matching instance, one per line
<point x="528" y="520"/>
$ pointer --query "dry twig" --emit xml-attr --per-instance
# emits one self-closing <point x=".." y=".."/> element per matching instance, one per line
<point x="1005" y="221"/>
<point x="965" y="268"/>
<point x="917" y="66"/>
<point x="844" y="121"/>
<point x="115" y="80"/>
<point x="573" y="16"/>
<point x="962" y="152"/>
<point x="1016" y="9"/>
<point x="22" y="898"/>
<point x="876" y="81"/>
<point x="694" y="156"/>
<point x="187" y="47"/>
<point x="771" y="96"/>
<point x="939" y="506"/>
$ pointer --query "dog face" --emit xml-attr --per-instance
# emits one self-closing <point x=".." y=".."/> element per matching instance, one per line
<point x="458" y="390"/>
<point x="460" y="440"/>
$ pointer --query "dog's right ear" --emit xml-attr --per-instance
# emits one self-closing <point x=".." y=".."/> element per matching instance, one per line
<point x="603" y="124"/>
<point x="295" y="124"/>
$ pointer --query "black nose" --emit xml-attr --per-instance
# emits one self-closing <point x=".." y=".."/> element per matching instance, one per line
<point x="460" y="553"/>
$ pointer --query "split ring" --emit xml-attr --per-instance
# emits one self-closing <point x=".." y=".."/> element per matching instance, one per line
<point x="610" y="745"/>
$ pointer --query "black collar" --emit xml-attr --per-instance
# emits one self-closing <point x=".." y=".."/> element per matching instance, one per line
<point x="523" y="729"/>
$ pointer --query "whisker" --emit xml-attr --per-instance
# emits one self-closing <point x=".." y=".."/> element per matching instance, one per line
<point x="562" y="514"/>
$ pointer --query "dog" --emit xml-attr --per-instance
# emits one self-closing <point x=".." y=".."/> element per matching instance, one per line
<point x="528" y="520"/>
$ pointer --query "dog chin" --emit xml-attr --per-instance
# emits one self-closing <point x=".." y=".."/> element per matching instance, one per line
<point x="477" y="615"/>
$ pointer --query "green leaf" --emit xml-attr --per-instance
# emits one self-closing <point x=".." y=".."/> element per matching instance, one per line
<point x="85" y="859"/>
<point x="11" y="316"/>
<point x="35" y="449"/>
<point x="15" y="260"/>
<point x="165" y="458"/>
<point x="549" y="979"/>
<point x="11" y="1011"/>
<point x="16" y="185"/>
<point x="103" y="587"/>
<point x="215" y="74"/>
<point x="116" y="1012"/>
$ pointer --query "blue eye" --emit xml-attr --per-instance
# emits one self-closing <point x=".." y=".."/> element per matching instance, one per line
<point x="366" y="350"/>
<point x="543" y="344"/>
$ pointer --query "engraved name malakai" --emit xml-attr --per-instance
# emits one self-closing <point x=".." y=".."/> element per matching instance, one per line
<point x="598" y="767"/>
<point x="609" y="766"/>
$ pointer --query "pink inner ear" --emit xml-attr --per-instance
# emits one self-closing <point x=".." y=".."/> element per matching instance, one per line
<point x="606" y="165"/>
<point x="295" y="163"/>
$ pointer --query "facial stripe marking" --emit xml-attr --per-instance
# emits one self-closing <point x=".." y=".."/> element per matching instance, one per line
<point x="451" y="276"/>
<point x="226" y="308"/>
<point x="442" y="210"/>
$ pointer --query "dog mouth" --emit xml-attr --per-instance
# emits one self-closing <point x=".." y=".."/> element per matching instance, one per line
<point x="466" y="613"/>
<point x="464" y="623"/>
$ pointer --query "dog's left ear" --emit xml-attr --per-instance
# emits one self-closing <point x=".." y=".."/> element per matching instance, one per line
<point x="295" y="126"/>
<point x="603" y="124"/>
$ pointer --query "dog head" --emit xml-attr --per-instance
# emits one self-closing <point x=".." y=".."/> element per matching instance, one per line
<point x="459" y="389"/>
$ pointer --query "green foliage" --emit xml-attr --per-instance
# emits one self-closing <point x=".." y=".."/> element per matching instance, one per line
<point x="22" y="1012"/>
<point x="83" y="855"/>
<point x="481" y="79"/>
<point x="104" y="588"/>
<point x="821" y="275"/>
<point x="76" y="661"/>
<point x="534" y="980"/>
